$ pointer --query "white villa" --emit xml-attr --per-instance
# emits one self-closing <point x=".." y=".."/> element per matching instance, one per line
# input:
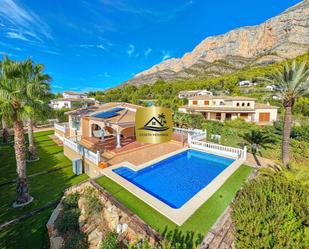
<point x="70" y="99"/>
<point x="230" y="107"/>
<point x="193" y="93"/>
<point x="73" y="95"/>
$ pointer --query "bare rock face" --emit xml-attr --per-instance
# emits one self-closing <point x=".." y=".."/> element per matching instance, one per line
<point x="281" y="37"/>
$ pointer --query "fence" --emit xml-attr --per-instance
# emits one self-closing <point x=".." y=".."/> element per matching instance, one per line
<point x="92" y="156"/>
<point x="61" y="127"/>
<point x="217" y="148"/>
<point x="188" y="131"/>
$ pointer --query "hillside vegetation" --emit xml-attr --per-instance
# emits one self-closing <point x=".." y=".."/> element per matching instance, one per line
<point x="165" y="93"/>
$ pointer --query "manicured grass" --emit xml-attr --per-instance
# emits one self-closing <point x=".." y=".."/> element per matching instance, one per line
<point x="200" y="222"/>
<point x="31" y="233"/>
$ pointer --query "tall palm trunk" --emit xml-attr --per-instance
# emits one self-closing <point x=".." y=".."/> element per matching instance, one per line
<point x="32" y="147"/>
<point x="5" y="133"/>
<point x="22" y="186"/>
<point x="286" y="134"/>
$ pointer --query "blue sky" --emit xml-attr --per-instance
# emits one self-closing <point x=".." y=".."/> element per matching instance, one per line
<point x="97" y="44"/>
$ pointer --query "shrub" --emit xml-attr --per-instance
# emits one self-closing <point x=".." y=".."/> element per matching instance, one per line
<point x="69" y="221"/>
<point x="213" y="127"/>
<point x="76" y="240"/>
<point x="71" y="201"/>
<point x="270" y="212"/>
<point x="93" y="203"/>
<point x="301" y="132"/>
<point x="300" y="150"/>
<point x="110" y="241"/>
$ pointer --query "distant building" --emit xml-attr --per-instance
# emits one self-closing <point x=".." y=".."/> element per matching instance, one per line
<point x="229" y="107"/>
<point x="193" y="93"/>
<point x="245" y="83"/>
<point x="71" y="100"/>
<point x="73" y="95"/>
<point x="271" y="88"/>
<point x="276" y="97"/>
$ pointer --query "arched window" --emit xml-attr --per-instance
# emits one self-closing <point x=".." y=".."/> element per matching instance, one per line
<point x="237" y="104"/>
<point x="248" y="104"/>
<point x="243" y="104"/>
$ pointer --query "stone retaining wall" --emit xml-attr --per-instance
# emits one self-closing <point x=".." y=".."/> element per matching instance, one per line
<point x="114" y="217"/>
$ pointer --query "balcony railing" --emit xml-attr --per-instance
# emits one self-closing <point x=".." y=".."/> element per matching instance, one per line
<point x="217" y="148"/>
<point x="92" y="156"/>
<point x="63" y="127"/>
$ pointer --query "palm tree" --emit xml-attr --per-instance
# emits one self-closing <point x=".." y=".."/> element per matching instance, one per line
<point x="292" y="83"/>
<point x="161" y="116"/>
<point x="38" y="86"/>
<point x="5" y="132"/>
<point x="257" y="139"/>
<point x="14" y="100"/>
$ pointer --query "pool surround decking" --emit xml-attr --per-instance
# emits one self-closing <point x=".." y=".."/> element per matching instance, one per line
<point x="180" y="215"/>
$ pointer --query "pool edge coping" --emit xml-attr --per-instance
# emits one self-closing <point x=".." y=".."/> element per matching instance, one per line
<point x="179" y="215"/>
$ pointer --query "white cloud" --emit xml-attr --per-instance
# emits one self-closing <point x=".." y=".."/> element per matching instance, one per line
<point x="18" y="36"/>
<point x="168" y="11"/>
<point x="104" y="74"/>
<point x="131" y="49"/>
<point x="165" y="55"/>
<point x="100" y="46"/>
<point x="22" y="23"/>
<point x="57" y="86"/>
<point x="5" y="53"/>
<point x="147" y="51"/>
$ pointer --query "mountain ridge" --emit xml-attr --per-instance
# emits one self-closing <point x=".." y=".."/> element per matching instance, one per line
<point x="281" y="37"/>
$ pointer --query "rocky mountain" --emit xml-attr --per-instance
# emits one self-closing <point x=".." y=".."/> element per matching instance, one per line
<point x="281" y="37"/>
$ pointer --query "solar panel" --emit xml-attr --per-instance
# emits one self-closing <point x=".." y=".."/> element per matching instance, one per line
<point x="110" y="113"/>
<point x="116" y="109"/>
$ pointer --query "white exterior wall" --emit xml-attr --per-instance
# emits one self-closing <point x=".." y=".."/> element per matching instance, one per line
<point x="216" y="102"/>
<point x="272" y="116"/>
<point x="58" y="104"/>
<point x="73" y="96"/>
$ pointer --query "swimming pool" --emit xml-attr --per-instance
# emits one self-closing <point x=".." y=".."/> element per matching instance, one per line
<point x="176" y="179"/>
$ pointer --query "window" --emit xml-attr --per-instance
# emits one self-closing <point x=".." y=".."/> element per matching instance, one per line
<point x="264" y="116"/>
<point x="243" y="104"/>
<point x="194" y="102"/>
<point x="218" y="116"/>
<point x="221" y="102"/>
<point x="237" y="104"/>
<point x="206" y="102"/>
<point x="248" y="104"/>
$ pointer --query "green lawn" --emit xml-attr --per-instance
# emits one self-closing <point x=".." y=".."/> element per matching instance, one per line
<point x="31" y="233"/>
<point x="200" y="222"/>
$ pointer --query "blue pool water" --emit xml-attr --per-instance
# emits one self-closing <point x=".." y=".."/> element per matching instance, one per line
<point x="176" y="179"/>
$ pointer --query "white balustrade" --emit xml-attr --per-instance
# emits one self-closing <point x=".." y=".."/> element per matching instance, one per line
<point x="220" y="149"/>
<point x="92" y="156"/>
<point x="61" y="126"/>
<point x="71" y="144"/>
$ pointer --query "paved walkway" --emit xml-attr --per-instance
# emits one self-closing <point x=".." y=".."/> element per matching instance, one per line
<point x="257" y="161"/>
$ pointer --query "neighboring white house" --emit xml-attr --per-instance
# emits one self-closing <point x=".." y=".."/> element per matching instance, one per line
<point x="245" y="83"/>
<point x="193" y="93"/>
<point x="230" y="107"/>
<point x="73" y="95"/>
<point x="71" y="100"/>
<point x="271" y="87"/>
